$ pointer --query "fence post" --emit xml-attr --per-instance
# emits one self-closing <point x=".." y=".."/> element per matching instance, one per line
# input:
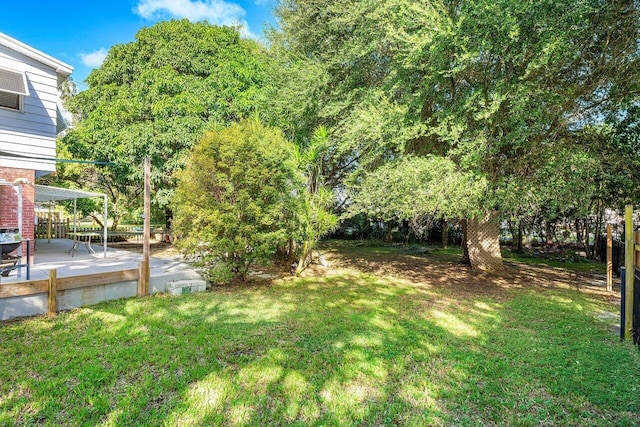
<point x="147" y="268"/>
<point x="628" y="263"/>
<point x="49" y="219"/>
<point x="143" y="278"/>
<point x="609" y="259"/>
<point x="623" y="311"/>
<point x="140" y="278"/>
<point x="53" y="292"/>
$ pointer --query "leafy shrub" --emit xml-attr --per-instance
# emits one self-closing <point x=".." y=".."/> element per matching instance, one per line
<point x="236" y="200"/>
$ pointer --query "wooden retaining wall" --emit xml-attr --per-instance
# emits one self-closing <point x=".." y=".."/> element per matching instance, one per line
<point x="55" y="287"/>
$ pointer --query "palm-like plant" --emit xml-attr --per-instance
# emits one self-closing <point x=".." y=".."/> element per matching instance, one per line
<point x="316" y="219"/>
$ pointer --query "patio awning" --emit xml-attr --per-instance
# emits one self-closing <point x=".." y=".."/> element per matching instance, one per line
<point x="45" y="193"/>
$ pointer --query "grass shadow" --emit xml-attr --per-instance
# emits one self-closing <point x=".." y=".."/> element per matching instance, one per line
<point x="370" y="344"/>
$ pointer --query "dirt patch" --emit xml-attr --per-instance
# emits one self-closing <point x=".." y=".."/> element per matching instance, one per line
<point x="445" y="272"/>
<point x="426" y="269"/>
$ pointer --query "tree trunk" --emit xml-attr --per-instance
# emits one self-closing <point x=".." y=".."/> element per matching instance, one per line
<point x="302" y="264"/>
<point x="537" y="224"/>
<point x="465" y="243"/>
<point x="387" y="236"/>
<point x="116" y="221"/>
<point x="445" y="233"/>
<point x="96" y="219"/>
<point x="100" y="224"/>
<point x="484" y="242"/>
<point x="519" y="238"/>
<point x="512" y="230"/>
<point x="587" y="248"/>
<point x="579" y="239"/>
<point x="286" y="254"/>
<point x="405" y="226"/>
<point x="291" y="250"/>
<point x="548" y="233"/>
<point x="168" y="218"/>
<point x="598" y="230"/>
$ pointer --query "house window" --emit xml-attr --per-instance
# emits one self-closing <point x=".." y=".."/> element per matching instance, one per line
<point x="13" y="87"/>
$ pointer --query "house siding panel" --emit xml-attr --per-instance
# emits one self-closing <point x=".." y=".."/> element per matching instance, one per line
<point x="32" y="131"/>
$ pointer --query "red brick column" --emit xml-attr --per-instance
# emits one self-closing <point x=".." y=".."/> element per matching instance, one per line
<point x="9" y="202"/>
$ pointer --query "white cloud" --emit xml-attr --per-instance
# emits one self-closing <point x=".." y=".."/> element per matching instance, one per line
<point x="243" y="29"/>
<point x="216" y="12"/>
<point x="94" y="59"/>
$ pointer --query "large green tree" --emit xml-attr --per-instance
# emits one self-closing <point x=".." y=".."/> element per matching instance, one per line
<point x="488" y="84"/>
<point x="155" y="97"/>
<point x="411" y="187"/>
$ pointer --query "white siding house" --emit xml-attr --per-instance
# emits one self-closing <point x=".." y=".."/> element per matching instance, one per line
<point x="29" y="81"/>
<point x="30" y="129"/>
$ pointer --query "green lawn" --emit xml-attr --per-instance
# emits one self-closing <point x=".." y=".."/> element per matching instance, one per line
<point x="576" y="263"/>
<point x="355" y="347"/>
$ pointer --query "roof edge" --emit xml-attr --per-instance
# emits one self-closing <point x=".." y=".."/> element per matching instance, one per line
<point x="46" y="193"/>
<point x="61" y="68"/>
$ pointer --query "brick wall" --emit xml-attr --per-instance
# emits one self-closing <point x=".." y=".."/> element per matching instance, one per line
<point x="9" y="201"/>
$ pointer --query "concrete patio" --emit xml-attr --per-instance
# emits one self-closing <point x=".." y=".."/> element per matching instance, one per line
<point x="54" y="255"/>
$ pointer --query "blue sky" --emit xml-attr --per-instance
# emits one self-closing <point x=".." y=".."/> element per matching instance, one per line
<point x="81" y="32"/>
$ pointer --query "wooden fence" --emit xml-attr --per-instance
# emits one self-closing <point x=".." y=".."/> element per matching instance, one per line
<point x="55" y="229"/>
<point x="59" y="228"/>
<point x="54" y="285"/>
